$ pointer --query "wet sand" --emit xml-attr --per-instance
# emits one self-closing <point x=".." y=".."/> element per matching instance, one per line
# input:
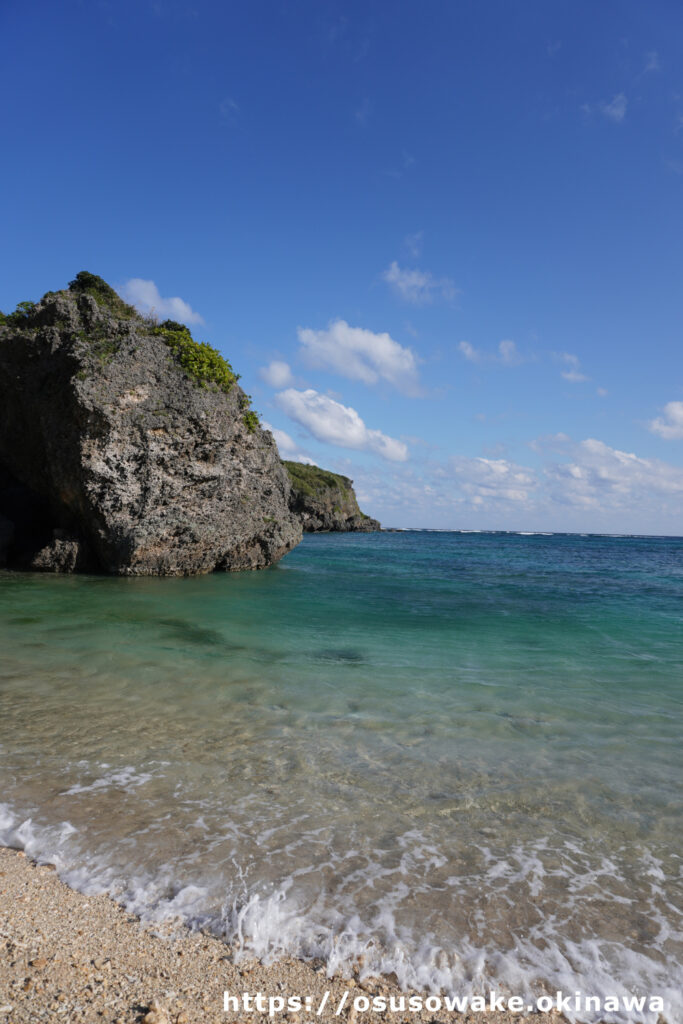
<point x="69" y="957"/>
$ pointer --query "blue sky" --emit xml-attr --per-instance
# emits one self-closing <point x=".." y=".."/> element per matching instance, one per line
<point x="441" y="242"/>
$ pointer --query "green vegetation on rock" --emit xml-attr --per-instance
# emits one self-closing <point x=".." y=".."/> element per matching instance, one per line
<point x="200" y="361"/>
<point x="313" y="481"/>
<point x="20" y="315"/>
<point x="86" y="283"/>
<point x="251" y="420"/>
<point x="325" y="500"/>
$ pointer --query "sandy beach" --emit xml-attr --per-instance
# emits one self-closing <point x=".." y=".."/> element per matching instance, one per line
<point x="70" y="957"/>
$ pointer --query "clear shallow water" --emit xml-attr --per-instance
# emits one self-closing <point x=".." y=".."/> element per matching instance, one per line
<point x="456" y="754"/>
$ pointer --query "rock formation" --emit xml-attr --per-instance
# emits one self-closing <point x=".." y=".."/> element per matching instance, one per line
<point x="129" y="448"/>
<point x="325" y="501"/>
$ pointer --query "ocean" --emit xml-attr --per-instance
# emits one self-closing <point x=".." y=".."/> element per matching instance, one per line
<point x="456" y="756"/>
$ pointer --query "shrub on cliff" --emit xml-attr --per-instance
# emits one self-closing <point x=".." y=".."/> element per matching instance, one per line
<point x="199" y="360"/>
<point x="86" y="283"/>
<point x="20" y="315"/>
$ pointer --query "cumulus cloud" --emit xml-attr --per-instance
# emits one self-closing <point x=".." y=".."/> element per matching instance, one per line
<point x="573" y="372"/>
<point x="485" y="479"/>
<point x="333" y="423"/>
<point x="360" y="354"/>
<point x="670" y="424"/>
<point x="588" y="475"/>
<point x="603" y="478"/>
<point x="418" y="286"/>
<point x="429" y="493"/>
<point x="276" y="374"/>
<point x="287" y="446"/>
<point x="615" y="110"/>
<point x="144" y="295"/>
<point x="584" y="485"/>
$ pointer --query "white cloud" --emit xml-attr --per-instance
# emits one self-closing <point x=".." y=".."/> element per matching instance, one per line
<point x="418" y="286"/>
<point x="287" y="446"/>
<point x="276" y="374"/>
<point x="359" y="354"/>
<point x="508" y="354"/>
<point x="486" y="479"/>
<point x="670" y="425"/>
<point x="572" y="373"/>
<point x="607" y="479"/>
<point x="584" y="486"/>
<point x="589" y="475"/>
<point x="144" y="295"/>
<point x="472" y="354"/>
<point x="334" y="423"/>
<point x="601" y="392"/>
<point x="615" y="110"/>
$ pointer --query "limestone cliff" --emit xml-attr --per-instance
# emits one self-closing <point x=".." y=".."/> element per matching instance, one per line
<point x="129" y="448"/>
<point x="325" y="501"/>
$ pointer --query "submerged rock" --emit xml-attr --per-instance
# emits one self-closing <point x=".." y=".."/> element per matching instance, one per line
<point x="129" y="448"/>
<point x="326" y="501"/>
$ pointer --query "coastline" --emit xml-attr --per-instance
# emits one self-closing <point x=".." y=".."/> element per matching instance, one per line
<point x="72" y="957"/>
<point x="299" y="786"/>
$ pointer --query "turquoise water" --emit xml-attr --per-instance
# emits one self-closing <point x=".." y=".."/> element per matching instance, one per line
<point x="455" y="755"/>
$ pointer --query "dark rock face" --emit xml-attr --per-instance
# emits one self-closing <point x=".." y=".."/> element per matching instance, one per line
<point x="114" y="458"/>
<point x="6" y="539"/>
<point x="26" y="522"/>
<point x="326" y="501"/>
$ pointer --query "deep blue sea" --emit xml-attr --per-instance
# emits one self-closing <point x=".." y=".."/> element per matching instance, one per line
<point x="455" y="755"/>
